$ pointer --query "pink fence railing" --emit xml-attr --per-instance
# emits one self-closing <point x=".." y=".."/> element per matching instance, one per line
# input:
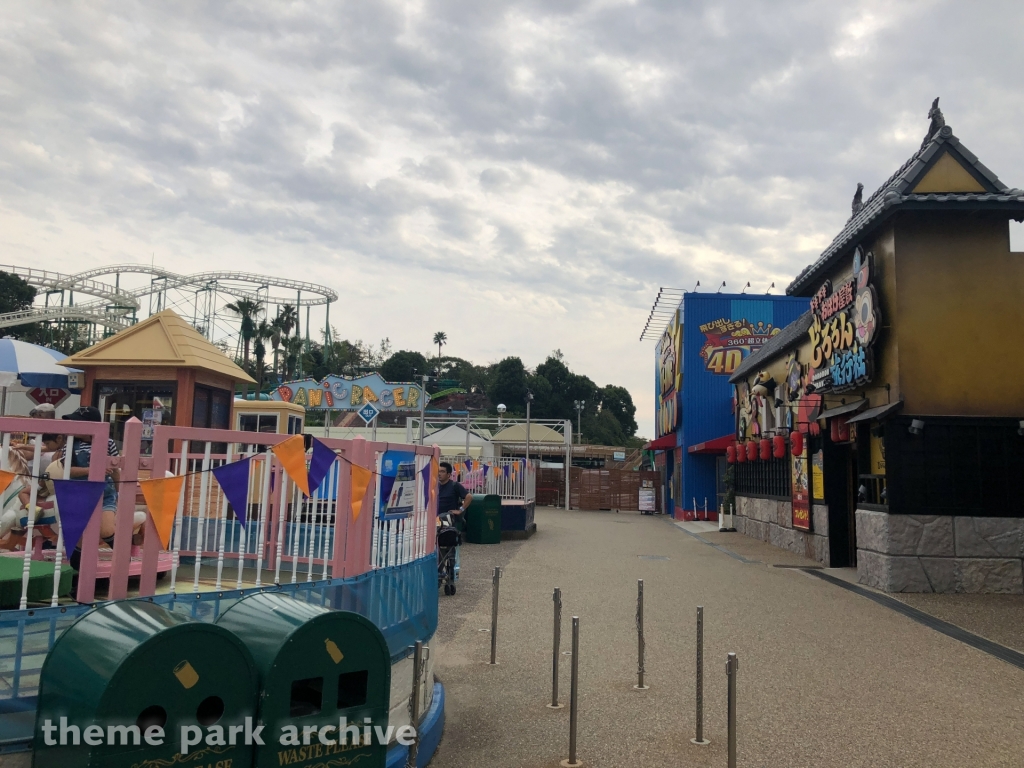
<point x="285" y="537"/>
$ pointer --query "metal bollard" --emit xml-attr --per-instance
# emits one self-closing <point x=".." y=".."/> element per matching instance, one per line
<point x="494" y="615"/>
<point x="573" y="760"/>
<point x="640" y="648"/>
<point x="557" y="598"/>
<point x="699" y="738"/>
<point x="414" y="702"/>
<point x="732" y="666"/>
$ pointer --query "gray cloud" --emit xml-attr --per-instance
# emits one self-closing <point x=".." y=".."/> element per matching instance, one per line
<point x="564" y="159"/>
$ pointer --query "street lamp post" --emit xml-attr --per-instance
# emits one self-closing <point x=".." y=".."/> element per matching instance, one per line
<point x="580" y="405"/>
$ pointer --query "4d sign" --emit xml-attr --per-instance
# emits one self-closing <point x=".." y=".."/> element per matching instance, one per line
<point x="344" y="394"/>
<point x="845" y="325"/>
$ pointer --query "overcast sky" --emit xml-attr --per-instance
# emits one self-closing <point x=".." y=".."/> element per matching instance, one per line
<point x="522" y="176"/>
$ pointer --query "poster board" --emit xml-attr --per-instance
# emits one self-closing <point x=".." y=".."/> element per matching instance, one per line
<point x="801" y="491"/>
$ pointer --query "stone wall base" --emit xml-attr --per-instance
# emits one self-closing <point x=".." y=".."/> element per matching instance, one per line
<point x="771" y="520"/>
<point x="937" y="553"/>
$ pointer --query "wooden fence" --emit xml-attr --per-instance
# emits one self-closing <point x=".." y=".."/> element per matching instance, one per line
<point x="596" y="488"/>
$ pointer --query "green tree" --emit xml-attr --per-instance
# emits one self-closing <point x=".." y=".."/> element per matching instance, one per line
<point x="508" y="385"/>
<point x="603" y="428"/>
<point x="16" y="295"/>
<point x="618" y="402"/>
<point x="404" y="365"/>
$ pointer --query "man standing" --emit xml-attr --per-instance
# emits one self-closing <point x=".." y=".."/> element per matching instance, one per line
<point x="451" y="496"/>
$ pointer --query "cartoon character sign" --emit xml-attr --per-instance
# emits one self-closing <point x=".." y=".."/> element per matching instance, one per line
<point x="865" y="315"/>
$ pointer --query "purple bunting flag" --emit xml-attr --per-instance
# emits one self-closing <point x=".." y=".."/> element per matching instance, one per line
<point x="425" y="474"/>
<point x="77" y="500"/>
<point x="319" y="464"/>
<point x="234" y="481"/>
<point x="504" y="470"/>
<point x="469" y="465"/>
<point x="486" y="467"/>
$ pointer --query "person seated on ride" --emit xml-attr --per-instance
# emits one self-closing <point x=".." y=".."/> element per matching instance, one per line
<point x="16" y="499"/>
<point x="81" y="455"/>
<point x="452" y="497"/>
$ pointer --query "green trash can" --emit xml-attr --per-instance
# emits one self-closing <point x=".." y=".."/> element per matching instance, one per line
<point x="483" y="520"/>
<point x="316" y="666"/>
<point x="128" y="666"/>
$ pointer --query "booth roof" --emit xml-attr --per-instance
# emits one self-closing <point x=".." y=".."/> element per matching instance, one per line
<point x="163" y="340"/>
<point x="539" y="433"/>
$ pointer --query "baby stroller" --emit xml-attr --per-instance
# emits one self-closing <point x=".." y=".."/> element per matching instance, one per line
<point x="448" y="540"/>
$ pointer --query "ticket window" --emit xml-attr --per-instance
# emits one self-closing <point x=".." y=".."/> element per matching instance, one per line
<point x="152" y="403"/>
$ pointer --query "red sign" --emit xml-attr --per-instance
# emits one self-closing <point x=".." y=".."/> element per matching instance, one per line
<point x="52" y="395"/>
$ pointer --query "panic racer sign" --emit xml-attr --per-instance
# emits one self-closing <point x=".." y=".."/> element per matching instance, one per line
<point x="340" y="393"/>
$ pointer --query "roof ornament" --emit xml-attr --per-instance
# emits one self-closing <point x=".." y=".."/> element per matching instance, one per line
<point x="858" y="199"/>
<point x="935" y="115"/>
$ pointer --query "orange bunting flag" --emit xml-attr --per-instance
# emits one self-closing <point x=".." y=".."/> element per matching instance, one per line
<point x="162" y="497"/>
<point x="292" y="455"/>
<point x="6" y="478"/>
<point x="360" y="482"/>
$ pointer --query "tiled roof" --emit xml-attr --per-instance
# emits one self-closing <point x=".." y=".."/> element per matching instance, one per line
<point x="777" y="345"/>
<point x="893" y="193"/>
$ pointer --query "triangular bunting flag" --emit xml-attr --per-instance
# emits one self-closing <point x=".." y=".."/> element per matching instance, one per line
<point x="360" y="482"/>
<point x="6" y="478"/>
<point x="162" y="495"/>
<point x="319" y="464"/>
<point x="425" y="476"/>
<point x="292" y="455"/>
<point x="486" y="467"/>
<point x="233" y="479"/>
<point x="76" y="500"/>
<point x="468" y="464"/>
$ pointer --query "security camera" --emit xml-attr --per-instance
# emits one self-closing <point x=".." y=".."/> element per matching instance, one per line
<point x="916" y="427"/>
<point x="501" y="408"/>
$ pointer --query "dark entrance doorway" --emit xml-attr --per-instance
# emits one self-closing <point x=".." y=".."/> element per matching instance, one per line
<point x="840" y="474"/>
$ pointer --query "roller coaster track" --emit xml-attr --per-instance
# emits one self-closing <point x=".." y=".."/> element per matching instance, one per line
<point x="110" y="305"/>
<point x="317" y="294"/>
<point x="111" y="318"/>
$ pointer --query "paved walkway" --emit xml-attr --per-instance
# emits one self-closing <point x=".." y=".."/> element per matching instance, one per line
<point x="827" y="677"/>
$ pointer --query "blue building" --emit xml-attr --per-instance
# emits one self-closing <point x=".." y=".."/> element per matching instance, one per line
<point x="708" y="337"/>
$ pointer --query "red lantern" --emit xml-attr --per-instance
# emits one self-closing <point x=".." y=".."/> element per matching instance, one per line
<point x="766" y="449"/>
<point x="778" y="446"/>
<point x="730" y="454"/>
<point x="844" y="430"/>
<point x="752" y="451"/>
<point x="796" y="443"/>
<point x="741" y="453"/>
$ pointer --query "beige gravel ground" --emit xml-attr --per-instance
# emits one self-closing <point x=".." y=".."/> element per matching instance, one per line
<point x="827" y="678"/>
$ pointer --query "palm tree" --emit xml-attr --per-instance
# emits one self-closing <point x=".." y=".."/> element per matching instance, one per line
<point x="248" y="310"/>
<point x="440" y="338"/>
<point x="292" y="350"/>
<point x="263" y="332"/>
<point x="287" y="318"/>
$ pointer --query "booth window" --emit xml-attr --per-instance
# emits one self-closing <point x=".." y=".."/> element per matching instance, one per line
<point x="294" y="425"/>
<point x="258" y="422"/>
<point x="211" y="408"/>
<point x="307" y="697"/>
<point x="352" y="689"/>
<point x="151" y="402"/>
